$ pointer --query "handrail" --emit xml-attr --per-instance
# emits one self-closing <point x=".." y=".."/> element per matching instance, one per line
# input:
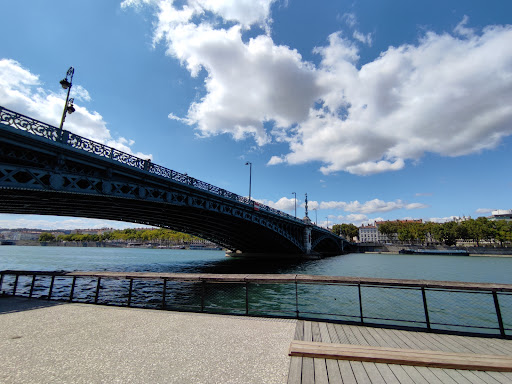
<point x="195" y="291"/>
<point x="38" y="128"/>
<point x="275" y="278"/>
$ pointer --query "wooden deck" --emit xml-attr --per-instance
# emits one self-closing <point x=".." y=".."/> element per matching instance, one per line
<point x="307" y="370"/>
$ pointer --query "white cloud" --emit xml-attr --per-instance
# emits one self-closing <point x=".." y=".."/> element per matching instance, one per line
<point x="283" y="204"/>
<point x="446" y="94"/>
<point x="21" y="91"/>
<point x="484" y="210"/>
<point x="462" y="30"/>
<point x="11" y="221"/>
<point x="368" y="207"/>
<point x="363" y="38"/>
<point x="442" y="219"/>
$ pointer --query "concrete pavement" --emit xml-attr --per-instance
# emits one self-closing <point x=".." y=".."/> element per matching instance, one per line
<point x="51" y="342"/>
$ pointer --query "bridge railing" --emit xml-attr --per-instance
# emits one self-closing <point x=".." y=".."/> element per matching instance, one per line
<point x="437" y="306"/>
<point x="38" y="128"/>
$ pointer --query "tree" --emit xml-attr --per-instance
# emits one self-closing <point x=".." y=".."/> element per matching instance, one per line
<point x="46" y="236"/>
<point x="349" y="231"/>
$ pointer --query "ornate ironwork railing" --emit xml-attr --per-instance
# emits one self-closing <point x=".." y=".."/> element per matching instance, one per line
<point x="38" y="128"/>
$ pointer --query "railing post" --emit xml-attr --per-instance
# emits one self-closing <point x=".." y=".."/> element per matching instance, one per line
<point x="498" y="312"/>
<point x="360" y="303"/>
<point x="296" y="298"/>
<point x="425" y="307"/>
<point x="247" y="298"/>
<point x="203" y="292"/>
<point x="164" y="289"/>
<point x="15" y="284"/>
<point x="98" y="286"/>
<point x="72" y="291"/>
<point x="130" y="293"/>
<point x="51" y="288"/>
<point x="32" y="285"/>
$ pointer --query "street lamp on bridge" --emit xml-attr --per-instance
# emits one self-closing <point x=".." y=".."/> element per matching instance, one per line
<point x="316" y="215"/>
<point x="250" y="177"/>
<point x="294" y="193"/>
<point x="67" y="84"/>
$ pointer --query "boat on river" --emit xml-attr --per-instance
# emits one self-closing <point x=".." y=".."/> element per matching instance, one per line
<point x="444" y="252"/>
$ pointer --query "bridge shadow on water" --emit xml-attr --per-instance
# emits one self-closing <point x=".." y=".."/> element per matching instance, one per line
<point x="230" y="265"/>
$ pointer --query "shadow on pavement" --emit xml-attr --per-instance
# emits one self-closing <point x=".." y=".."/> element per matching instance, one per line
<point x="10" y="304"/>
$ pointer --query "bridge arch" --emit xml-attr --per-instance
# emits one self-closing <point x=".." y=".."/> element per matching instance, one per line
<point x="47" y="171"/>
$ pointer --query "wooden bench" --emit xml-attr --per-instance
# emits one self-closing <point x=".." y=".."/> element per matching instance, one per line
<point x="435" y="359"/>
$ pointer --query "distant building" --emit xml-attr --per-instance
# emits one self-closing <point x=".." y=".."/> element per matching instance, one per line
<point x="501" y="214"/>
<point x="371" y="234"/>
<point x="368" y="233"/>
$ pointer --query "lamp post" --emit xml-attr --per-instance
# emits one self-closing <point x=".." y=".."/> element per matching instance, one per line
<point x="327" y="222"/>
<point x="316" y="215"/>
<point x="294" y="193"/>
<point x="67" y="84"/>
<point x="250" y="177"/>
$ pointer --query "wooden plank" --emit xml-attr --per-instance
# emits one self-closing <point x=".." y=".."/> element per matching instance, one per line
<point x="308" y="335"/>
<point x="478" y="376"/>
<point x="320" y="371"/>
<point x="347" y="375"/>
<point x="295" y="372"/>
<point x="501" y="377"/>
<point x="332" y="333"/>
<point x="373" y="373"/>
<point x="299" y="330"/>
<point x="436" y="375"/>
<point x="400" y="356"/>
<point x="360" y="373"/>
<point x="333" y="369"/>
<point x="387" y="374"/>
<point x="308" y="370"/>
<point x="412" y="374"/>
<point x="315" y="331"/>
<point x="382" y="337"/>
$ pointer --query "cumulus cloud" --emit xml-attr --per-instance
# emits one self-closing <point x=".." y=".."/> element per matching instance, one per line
<point x="442" y="219"/>
<point x="12" y="221"/>
<point x="283" y="204"/>
<point x="368" y="207"/>
<point x="484" y="210"/>
<point x="22" y="91"/>
<point x="446" y="93"/>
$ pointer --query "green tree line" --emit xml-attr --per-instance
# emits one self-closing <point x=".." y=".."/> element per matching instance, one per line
<point x="151" y="235"/>
<point x="476" y="230"/>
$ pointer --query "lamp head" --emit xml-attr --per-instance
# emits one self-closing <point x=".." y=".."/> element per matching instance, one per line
<point x="70" y="108"/>
<point x="65" y="83"/>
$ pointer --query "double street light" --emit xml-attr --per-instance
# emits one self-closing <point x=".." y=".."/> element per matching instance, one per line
<point x="67" y="84"/>
<point x="250" y="177"/>
<point x="294" y="193"/>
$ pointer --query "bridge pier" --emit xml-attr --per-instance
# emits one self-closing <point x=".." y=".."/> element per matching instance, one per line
<point x="307" y="236"/>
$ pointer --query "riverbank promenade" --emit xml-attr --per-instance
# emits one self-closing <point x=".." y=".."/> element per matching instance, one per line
<point x="56" y="342"/>
<point x="52" y="342"/>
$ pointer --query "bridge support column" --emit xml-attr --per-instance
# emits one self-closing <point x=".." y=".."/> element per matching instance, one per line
<point x="307" y="239"/>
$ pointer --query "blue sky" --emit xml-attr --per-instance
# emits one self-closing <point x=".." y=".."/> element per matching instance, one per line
<point x="377" y="110"/>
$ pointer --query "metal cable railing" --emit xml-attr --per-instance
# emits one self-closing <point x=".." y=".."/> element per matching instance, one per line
<point x="38" y="128"/>
<point x="473" y="308"/>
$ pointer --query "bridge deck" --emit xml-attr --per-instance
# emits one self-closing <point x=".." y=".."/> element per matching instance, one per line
<point x="305" y="370"/>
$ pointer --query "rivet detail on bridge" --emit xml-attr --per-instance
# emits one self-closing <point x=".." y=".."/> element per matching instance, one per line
<point x="56" y="181"/>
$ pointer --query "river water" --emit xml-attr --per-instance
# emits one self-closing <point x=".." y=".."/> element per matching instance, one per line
<point x="319" y="301"/>
<point x="428" y="267"/>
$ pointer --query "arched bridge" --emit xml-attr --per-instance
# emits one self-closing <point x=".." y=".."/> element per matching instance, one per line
<point x="48" y="171"/>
